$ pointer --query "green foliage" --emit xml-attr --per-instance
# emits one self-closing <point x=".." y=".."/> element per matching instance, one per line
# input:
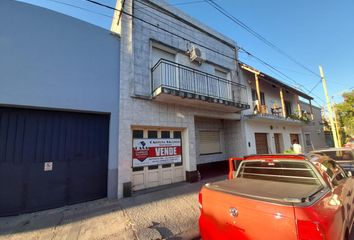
<point x="289" y="151"/>
<point x="305" y="117"/>
<point x="345" y="111"/>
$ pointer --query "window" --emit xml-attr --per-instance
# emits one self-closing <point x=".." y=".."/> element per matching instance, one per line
<point x="254" y="96"/>
<point x="220" y="73"/>
<point x="280" y="171"/>
<point x="308" y="140"/>
<point x="138" y="133"/>
<point x="209" y="142"/>
<point x="158" y="53"/>
<point x="334" y="171"/>
<point x="165" y="134"/>
<point x="152" y="134"/>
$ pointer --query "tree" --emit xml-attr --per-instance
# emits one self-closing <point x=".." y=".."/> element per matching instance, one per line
<point x="345" y="111"/>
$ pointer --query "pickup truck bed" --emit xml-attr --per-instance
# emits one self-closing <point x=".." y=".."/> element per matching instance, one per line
<point x="273" y="197"/>
<point x="283" y="192"/>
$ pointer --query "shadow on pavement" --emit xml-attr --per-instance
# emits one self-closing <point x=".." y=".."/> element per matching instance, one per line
<point x="84" y="211"/>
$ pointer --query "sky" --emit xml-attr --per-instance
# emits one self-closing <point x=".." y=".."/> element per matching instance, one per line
<point x="316" y="32"/>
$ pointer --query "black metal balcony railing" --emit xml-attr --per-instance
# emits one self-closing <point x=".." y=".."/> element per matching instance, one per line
<point x="175" y="76"/>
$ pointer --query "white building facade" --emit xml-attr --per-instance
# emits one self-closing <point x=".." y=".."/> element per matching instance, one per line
<point x="179" y="80"/>
<point x="277" y="119"/>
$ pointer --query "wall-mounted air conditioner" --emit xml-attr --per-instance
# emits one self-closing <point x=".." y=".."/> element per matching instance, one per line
<point x="196" y="55"/>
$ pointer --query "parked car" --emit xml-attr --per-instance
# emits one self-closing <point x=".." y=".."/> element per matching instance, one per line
<point x="343" y="156"/>
<point x="278" y="197"/>
<point x="350" y="144"/>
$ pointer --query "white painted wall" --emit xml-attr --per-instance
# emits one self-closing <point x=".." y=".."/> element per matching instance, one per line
<point x="257" y="126"/>
<point x="53" y="61"/>
<point x="314" y="128"/>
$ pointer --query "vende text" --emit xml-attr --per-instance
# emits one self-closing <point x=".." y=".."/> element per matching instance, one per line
<point x="166" y="151"/>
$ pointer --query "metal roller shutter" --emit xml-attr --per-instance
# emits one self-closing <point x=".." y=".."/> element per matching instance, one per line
<point x="209" y="142"/>
<point x="75" y="145"/>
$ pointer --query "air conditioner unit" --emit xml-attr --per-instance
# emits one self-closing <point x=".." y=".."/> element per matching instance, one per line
<point x="196" y="55"/>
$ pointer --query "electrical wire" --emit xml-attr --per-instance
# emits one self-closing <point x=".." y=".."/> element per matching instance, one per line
<point x="82" y="8"/>
<point x="315" y="86"/>
<point x="186" y="39"/>
<point x="184" y="3"/>
<point x="257" y="35"/>
<point x="162" y="29"/>
<point x="158" y="19"/>
<point x="272" y="68"/>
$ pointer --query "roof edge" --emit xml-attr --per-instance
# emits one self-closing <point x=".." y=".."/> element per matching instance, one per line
<point x="273" y="80"/>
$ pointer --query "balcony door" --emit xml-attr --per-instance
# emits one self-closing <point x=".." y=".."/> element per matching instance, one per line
<point x="223" y="87"/>
<point x="288" y="108"/>
<point x="165" y="73"/>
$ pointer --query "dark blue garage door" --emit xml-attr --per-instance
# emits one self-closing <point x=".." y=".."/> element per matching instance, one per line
<point x="49" y="159"/>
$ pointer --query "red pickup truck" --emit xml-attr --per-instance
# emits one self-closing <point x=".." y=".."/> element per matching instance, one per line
<point x="279" y="197"/>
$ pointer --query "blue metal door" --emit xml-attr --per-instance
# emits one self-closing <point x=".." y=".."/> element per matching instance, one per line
<point x="50" y="158"/>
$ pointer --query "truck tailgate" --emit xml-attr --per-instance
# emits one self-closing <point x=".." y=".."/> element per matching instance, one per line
<point x="229" y="216"/>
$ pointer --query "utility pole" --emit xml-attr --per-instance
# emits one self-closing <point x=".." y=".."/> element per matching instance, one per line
<point x="329" y="107"/>
<point x="336" y="124"/>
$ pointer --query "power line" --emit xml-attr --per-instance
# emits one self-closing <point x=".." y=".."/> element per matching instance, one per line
<point x="276" y="70"/>
<point x="273" y="69"/>
<point x="82" y="8"/>
<point x="183" y="3"/>
<point x="153" y="16"/>
<point x="315" y="85"/>
<point x="186" y="39"/>
<point x="257" y="35"/>
<point x="288" y="69"/>
<point x="268" y="65"/>
<point x="165" y="30"/>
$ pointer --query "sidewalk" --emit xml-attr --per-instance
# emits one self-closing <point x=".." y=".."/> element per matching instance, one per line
<point x="169" y="212"/>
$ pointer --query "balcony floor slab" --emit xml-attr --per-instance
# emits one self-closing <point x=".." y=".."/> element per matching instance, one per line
<point x="167" y="95"/>
<point x="269" y="118"/>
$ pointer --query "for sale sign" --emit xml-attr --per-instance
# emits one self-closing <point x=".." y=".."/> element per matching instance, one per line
<point x="154" y="151"/>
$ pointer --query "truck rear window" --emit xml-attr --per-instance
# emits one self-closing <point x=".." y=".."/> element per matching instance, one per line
<point x="281" y="171"/>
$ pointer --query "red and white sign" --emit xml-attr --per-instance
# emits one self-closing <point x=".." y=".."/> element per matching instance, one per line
<point x="154" y="151"/>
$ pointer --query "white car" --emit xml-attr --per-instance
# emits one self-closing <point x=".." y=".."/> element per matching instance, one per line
<point x="350" y="144"/>
<point x="343" y="156"/>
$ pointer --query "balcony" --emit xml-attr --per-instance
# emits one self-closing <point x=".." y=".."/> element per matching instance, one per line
<point x="275" y="114"/>
<point x="179" y="84"/>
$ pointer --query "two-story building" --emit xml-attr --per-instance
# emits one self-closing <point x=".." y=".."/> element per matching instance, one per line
<point x="313" y="131"/>
<point x="276" y="117"/>
<point x="181" y="96"/>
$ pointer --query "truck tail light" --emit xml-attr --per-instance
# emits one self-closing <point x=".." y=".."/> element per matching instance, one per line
<point x="200" y="199"/>
<point x="308" y="230"/>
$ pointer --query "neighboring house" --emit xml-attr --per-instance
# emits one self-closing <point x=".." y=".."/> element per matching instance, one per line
<point x="273" y="122"/>
<point x="313" y="132"/>
<point x="59" y="102"/>
<point x="179" y="88"/>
